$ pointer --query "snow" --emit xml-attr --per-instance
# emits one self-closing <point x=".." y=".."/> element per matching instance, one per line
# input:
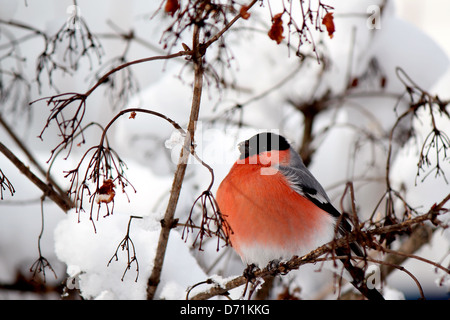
<point x="87" y="255"/>
<point x="392" y="294"/>
<point x="20" y="225"/>
<point x="150" y="147"/>
<point x="88" y="252"/>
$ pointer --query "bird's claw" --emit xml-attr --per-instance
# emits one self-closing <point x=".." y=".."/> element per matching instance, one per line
<point x="249" y="272"/>
<point x="273" y="266"/>
<point x="276" y="267"/>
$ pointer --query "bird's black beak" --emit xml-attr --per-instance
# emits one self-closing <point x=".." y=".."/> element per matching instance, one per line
<point x="244" y="149"/>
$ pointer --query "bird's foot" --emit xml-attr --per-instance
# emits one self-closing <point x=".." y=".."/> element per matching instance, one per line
<point x="249" y="272"/>
<point x="276" y="267"/>
<point x="273" y="266"/>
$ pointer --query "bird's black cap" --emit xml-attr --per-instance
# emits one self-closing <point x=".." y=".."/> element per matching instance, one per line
<point x="261" y="142"/>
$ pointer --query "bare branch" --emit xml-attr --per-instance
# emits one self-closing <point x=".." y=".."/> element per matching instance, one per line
<point x="41" y="263"/>
<point x="327" y="249"/>
<point x="128" y="245"/>
<point x="168" y="222"/>
<point x="5" y="184"/>
<point x="62" y="202"/>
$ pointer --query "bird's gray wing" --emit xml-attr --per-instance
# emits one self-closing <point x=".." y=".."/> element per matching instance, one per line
<point x="304" y="183"/>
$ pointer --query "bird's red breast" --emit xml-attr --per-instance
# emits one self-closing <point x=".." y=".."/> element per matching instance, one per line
<point x="268" y="219"/>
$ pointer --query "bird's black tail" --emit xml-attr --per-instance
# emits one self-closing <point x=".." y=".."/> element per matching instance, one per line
<point x="358" y="274"/>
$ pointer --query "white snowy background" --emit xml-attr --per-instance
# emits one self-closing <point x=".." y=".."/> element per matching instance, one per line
<point x="413" y="35"/>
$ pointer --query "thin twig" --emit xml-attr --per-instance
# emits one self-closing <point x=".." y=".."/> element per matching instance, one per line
<point x="32" y="159"/>
<point x="62" y="202"/>
<point x="168" y="221"/>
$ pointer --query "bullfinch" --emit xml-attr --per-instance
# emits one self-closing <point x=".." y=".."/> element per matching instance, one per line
<point x="277" y="209"/>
